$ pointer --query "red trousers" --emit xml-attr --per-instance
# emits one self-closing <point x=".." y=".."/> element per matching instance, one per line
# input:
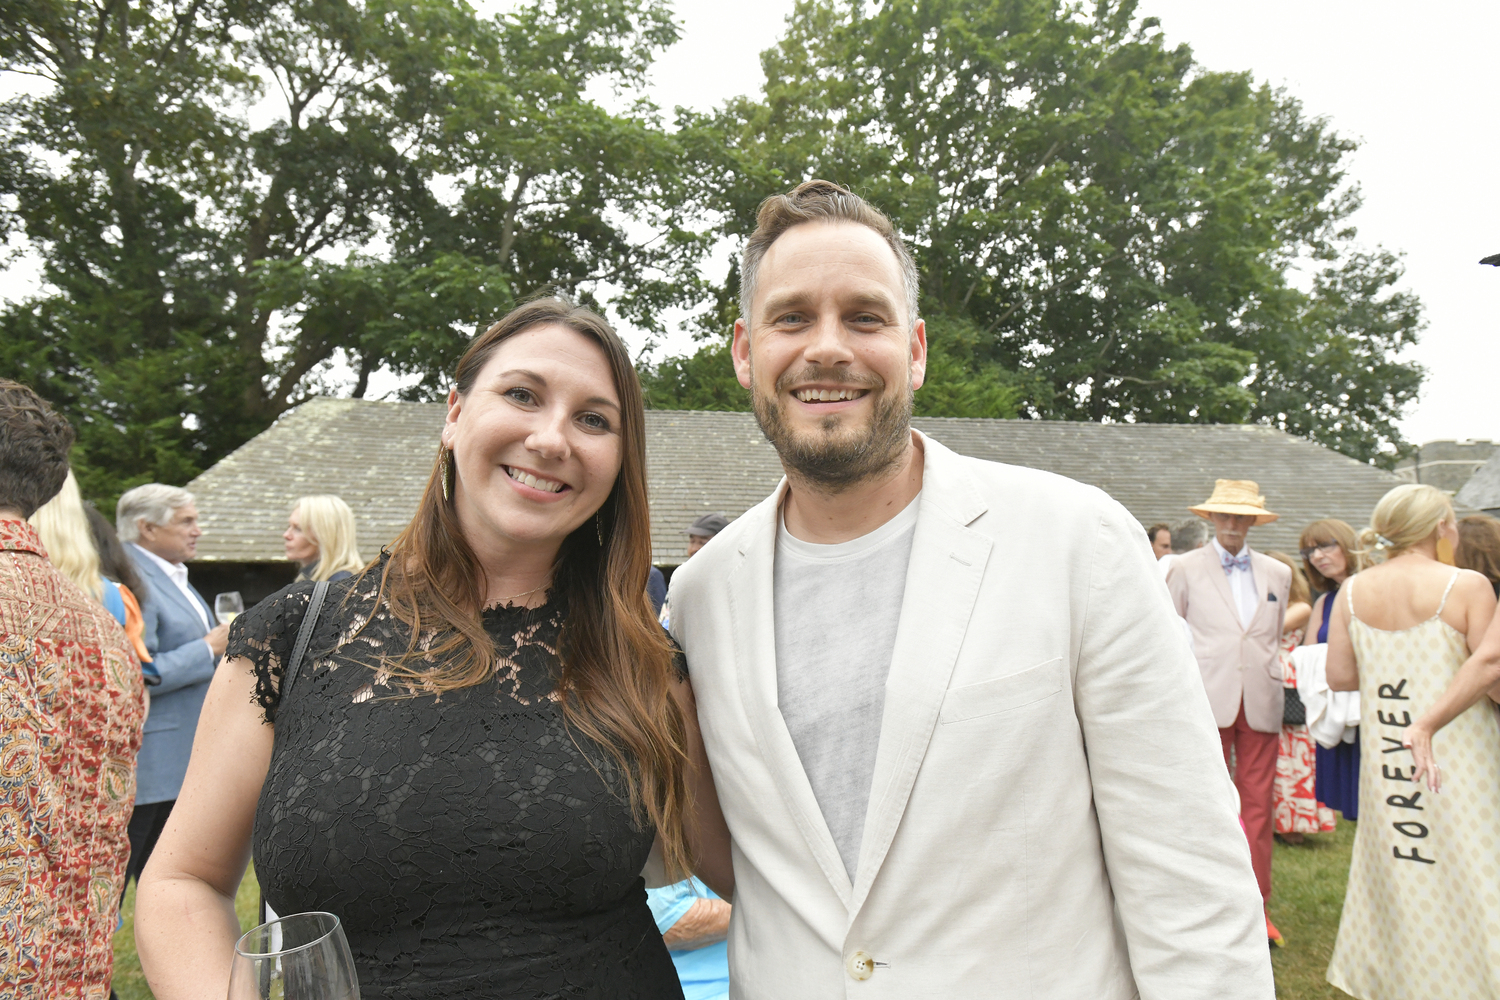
<point x="1255" y="778"/>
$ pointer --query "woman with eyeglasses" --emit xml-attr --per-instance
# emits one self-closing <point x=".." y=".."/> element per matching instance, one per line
<point x="1330" y="555"/>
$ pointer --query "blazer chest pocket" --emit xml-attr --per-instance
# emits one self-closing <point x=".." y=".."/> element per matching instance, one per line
<point x="974" y="701"/>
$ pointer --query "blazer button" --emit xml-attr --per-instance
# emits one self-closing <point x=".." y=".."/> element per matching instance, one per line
<point x="861" y="965"/>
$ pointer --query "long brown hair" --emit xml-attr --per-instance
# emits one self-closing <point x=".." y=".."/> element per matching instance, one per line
<point x="1299" y="592"/>
<point x="1479" y="546"/>
<point x="1321" y="533"/>
<point x="617" y="670"/>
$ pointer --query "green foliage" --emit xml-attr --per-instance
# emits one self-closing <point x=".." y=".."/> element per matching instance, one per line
<point x="1114" y="224"/>
<point x="1337" y="382"/>
<point x="230" y="195"/>
<point x="960" y="382"/>
<point x="704" y="380"/>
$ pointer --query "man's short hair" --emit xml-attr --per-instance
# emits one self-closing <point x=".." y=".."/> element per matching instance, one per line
<point x="820" y="201"/>
<point x="34" y="443"/>
<point x="153" y="503"/>
<point x="1151" y="531"/>
<point x="1190" y="535"/>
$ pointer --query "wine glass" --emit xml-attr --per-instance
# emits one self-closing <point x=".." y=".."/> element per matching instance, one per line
<point x="301" y="957"/>
<point x="227" y="605"/>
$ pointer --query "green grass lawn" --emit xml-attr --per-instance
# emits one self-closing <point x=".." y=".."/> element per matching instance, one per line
<point x="1307" y="895"/>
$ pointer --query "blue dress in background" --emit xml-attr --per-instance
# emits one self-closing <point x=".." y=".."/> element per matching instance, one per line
<point x="1337" y="781"/>
<point x="704" y="971"/>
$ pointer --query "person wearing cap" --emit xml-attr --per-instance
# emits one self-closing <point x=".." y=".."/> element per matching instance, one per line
<point x="699" y="534"/>
<point x="701" y="531"/>
<point x="1234" y="601"/>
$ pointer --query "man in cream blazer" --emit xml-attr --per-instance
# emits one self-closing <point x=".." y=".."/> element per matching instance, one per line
<point x="975" y="759"/>
<point x="1234" y="601"/>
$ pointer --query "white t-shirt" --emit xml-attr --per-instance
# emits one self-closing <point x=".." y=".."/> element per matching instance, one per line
<point x="837" y="609"/>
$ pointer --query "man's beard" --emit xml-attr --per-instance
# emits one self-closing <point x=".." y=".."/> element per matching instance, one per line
<point x="831" y="461"/>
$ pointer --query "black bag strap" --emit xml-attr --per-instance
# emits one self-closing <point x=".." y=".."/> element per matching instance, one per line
<point x="304" y="636"/>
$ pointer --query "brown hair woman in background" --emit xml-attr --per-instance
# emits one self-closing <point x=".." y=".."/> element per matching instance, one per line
<point x="1478" y="547"/>
<point x="488" y="732"/>
<point x="1330" y="555"/>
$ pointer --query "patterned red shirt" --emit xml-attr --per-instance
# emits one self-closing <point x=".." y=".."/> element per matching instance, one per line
<point x="71" y="708"/>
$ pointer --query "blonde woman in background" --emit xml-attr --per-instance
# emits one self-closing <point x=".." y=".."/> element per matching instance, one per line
<point x="319" y="537"/>
<point x="1295" y="808"/>
<point x="63" y="525"/>
<point x="1421" y="915"/>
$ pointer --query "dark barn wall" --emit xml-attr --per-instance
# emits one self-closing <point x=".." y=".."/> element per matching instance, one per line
<point x="254" y="580"/>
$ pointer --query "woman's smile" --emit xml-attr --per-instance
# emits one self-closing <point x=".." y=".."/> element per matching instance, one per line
<point x="534" y="485"/>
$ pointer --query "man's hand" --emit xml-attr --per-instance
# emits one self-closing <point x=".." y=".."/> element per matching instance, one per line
<point x="705" y="924"/>
<point x="217" y="639"/>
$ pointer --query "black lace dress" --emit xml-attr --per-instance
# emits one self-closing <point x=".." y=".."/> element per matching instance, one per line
<point x="470" y="843"/>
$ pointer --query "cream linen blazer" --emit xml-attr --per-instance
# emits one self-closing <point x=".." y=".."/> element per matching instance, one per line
<point x="1050" y="816"/>
<point x="1236" y="662"/>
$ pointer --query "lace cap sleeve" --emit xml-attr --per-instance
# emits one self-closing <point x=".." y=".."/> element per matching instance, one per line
<point x="265" y="635"/>
<point x="679" y="659"/>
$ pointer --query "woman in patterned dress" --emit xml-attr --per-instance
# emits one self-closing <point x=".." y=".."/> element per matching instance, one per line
<point x="1421" y="916"/>
<point x="1296" y="809"/>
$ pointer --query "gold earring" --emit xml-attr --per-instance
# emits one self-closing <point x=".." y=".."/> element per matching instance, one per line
<point x="599" y="525"/>
<point x="443" y="454"/>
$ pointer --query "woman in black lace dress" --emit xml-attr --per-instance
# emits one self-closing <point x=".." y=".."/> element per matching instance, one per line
<point x="488" y="733"/>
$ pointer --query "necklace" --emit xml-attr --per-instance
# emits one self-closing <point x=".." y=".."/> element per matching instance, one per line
<point x="502" y="602"/>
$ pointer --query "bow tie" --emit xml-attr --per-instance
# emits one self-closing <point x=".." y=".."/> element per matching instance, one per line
<point x="1232" y="563"/>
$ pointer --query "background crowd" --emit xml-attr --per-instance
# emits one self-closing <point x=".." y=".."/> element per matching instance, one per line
<point x="1427" y="583"/>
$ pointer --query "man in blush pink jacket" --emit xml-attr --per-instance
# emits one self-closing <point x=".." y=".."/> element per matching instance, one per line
<point x="1234" y="601"/>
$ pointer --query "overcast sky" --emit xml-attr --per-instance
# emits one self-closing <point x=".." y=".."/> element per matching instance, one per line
<point x="1418" y="89"/>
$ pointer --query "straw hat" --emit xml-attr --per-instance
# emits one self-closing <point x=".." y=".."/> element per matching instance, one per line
<point x="1236" y="496"/>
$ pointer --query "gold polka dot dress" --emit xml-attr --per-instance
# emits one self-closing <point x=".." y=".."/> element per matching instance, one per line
<point x="1421" y="917"/>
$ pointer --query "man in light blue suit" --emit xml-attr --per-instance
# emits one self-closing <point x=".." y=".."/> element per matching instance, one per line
<point x="160" y="526"/>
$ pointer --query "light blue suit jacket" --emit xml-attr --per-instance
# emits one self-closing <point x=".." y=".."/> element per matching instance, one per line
<point x="174" y="635"/>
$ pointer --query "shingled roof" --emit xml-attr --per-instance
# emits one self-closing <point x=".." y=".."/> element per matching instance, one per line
<point x="377" y="456"/>
<point x="1482" y="491"/>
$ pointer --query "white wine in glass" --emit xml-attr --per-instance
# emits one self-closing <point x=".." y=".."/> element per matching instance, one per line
<point x="301" y="957"/>
<point x="227" y="605"/>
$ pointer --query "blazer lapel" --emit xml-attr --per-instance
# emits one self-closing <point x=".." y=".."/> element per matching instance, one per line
<point x="1220" y="582"/>
<point x="752" y="611"/>
<point x="942" y="584"/>
<point x="162" y="585"/>
<point x="1260" y="575"/>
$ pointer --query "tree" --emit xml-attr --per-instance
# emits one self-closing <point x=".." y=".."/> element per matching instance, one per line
<point x="230" y="195"/>
<point x="1336" y="382"/>
<point x="1110" y="223"/>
